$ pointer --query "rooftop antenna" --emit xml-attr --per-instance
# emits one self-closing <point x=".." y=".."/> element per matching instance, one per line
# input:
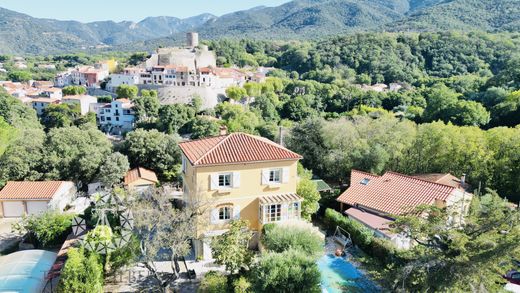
<point x="280" y="133"/>
<point x="462" y="183"/>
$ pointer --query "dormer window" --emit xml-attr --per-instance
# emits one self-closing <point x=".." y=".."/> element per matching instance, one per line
<point x="365" y="181"/>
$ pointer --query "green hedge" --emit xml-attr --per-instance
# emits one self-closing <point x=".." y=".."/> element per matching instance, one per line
<point x="289" y="271"/>
<point x="282" y="238"/>
<point x="361" y="236"/>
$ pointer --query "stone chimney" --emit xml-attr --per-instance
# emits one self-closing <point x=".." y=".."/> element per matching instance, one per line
<point x="223" y="130"/>
<point x="463" y="181"/>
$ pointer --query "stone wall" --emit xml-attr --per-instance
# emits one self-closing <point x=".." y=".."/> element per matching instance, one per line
<point x="184" y="94"/>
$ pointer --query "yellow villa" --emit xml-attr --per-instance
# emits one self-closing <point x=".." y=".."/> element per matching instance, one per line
<point x="240" y="176"/>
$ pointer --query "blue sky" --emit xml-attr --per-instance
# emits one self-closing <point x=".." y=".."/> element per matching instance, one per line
<point x="117" y="10"/>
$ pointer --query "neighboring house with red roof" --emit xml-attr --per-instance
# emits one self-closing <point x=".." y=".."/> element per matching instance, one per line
<point x="375" y="200"/>
<point x="140" y="179"/>
<point x="239" y="176"/>
<point x="19" y="198"/>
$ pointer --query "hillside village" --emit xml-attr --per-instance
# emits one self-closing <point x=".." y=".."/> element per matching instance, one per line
<point x="264" y="166"/>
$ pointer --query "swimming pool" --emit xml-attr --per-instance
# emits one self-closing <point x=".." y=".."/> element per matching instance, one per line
<point x="338" y="275"/>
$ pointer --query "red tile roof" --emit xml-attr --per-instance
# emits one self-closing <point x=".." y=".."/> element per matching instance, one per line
<point x="373" y="221"/>
<point x="31" y="189"/>
<point x="446" y="179"/>
<point x="140" y="173"/>
<point x="392" y="193"/>
<point x="234" y="148"/>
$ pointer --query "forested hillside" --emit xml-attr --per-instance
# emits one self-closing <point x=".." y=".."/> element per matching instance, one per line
<point x="298" y="19"/>
<point x="454" y="88"/>
<point x="468" y="15"/>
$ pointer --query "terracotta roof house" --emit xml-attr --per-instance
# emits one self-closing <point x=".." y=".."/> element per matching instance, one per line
<point x="375" y="200"/>
<point x="240" y="176"/>
<point x="140" y="179"/>
<point x="235" y="148"/>
<point x="19" y="198"/>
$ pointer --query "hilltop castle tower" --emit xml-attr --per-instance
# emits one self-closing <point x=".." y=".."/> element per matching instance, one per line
<point x="192" y="39"/>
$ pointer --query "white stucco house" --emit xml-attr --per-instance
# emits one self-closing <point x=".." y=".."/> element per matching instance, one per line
<point x="19" y="198"/>
<point x="122" y="79"/>
<point x="116" y="117"/>
<point x="40" y="104"/>
<point x="84" y="102"/>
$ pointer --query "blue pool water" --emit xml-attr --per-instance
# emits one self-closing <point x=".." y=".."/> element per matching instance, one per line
<point x="338" y="275"/>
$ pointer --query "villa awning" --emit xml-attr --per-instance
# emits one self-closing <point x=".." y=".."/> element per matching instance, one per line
<point x="280" y="198"/>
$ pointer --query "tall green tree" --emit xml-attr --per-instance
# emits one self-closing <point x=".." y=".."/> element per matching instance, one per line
<point x="173" y="117"/>
<point x="153" y="150"/>
<point x="72" y="90"/>
<point x="19" y="76"/>
<point x="125" y="91"/>
<point x="113" y="169"/>
<point x="146" y="106"/>
<point x="231" y="249"/>
<point x="474" y="254"/>
<point x="60" y="115"/>
<point x="73" y="153"/>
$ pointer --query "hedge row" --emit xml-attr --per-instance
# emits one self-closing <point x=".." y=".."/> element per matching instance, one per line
<point x="361" y="236"/>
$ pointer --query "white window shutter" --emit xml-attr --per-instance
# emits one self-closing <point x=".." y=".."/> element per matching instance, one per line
<point x="285" y="175"/>
<point x="236" y="179"/>
<point x="213" y="179"/>
<point x="265" y="176"/>
<point x="214" y="216"/>
<point x="236" y="212"/>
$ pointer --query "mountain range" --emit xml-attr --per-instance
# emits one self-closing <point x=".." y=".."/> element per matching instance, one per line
<point x="298" y="19"/>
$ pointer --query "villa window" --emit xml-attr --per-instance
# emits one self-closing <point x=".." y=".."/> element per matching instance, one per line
<point x="275" y="176"/>
<point x="294" y="210"/>
<point x="224" y="180"/>
<point x="224" y="213"/>
<point x="273" y="213"/>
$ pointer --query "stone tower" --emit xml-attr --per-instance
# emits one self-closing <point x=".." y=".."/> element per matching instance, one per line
<point x="192" y="39"/>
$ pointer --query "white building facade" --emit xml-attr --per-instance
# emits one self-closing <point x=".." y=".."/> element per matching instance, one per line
<point x="116" y="117"/>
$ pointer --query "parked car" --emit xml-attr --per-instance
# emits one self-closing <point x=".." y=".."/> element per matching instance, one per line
<point x="513" y="277"/>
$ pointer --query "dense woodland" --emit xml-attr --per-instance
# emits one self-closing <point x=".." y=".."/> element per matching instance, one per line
<point x="458" y="111"/>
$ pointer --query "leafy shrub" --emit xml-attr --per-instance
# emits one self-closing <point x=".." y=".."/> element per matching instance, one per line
<point x="241" y="285"/>
<point x="213" y="282"/>
<point x="382" y="249"/>
<point x="267" y="227"/>
<point x="48" y="228"/>
<point x="282" y="238"/>
<point x="81" y="273"/>
<point x="289" y="271"/>
<point x="123" y="256"/>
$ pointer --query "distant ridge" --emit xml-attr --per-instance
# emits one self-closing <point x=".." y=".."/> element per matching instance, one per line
<point x="298" y="19"/>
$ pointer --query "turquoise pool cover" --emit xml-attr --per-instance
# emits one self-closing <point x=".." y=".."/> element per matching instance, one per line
<point x="24" y="271"/>
<point x="338" y="275"/>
